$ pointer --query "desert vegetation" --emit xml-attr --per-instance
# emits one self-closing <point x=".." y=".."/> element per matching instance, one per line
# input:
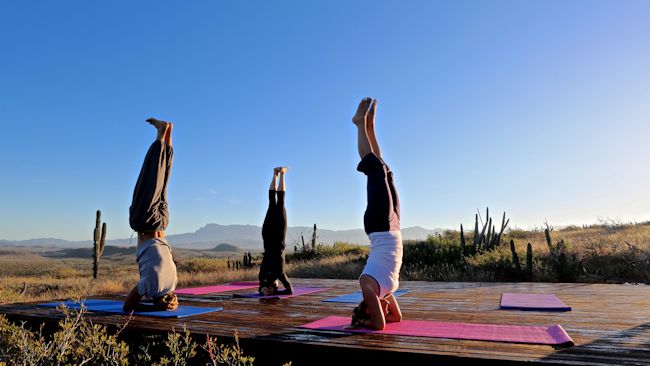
<point x="605" y="252"/>
<point x="609" y="251"/>
<point x="77" y="341"/>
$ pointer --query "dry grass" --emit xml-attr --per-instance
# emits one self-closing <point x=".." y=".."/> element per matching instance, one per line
<point x="337" y="267"/>
<point x="607" y="253"/>
<point x="38" y="278"/>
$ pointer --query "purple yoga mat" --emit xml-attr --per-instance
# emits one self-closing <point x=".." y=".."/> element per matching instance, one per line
<point x="539" y="302"/>
<point x="554" y="335"/>
<point x="213" y="289"/>
<point x="297" y="291"/>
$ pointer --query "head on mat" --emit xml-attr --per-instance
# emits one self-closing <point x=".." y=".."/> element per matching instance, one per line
<point x="267" y="286"/>
<point x="361" y="313"/>
<point x="168" y="301"/>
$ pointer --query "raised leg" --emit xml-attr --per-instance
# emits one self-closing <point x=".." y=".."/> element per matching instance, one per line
<point x="359" y="119"/>
<point x="282" y="186"/>
<point x="370" y="129"/>
<point x="380" y="213"/>
<point x="149" y="211"/>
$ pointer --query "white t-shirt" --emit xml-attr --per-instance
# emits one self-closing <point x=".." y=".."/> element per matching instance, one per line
<point x="157" y="268"/>
<point x="385" y="260"/>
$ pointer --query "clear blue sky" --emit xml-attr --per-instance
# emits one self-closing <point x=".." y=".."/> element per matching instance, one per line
<point x="538" y="108"/>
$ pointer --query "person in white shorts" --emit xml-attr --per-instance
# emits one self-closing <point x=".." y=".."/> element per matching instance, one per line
<point x="380" y="277"/>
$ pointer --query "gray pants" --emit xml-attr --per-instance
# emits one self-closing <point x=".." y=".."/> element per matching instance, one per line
<point x="148" y="211"/>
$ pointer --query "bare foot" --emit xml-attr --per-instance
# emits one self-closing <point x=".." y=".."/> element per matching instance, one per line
<point x="284" y="169"/>
<point x="277" y="170"/>
<point x="160" y="125"/>
<point x="359" y="118"/>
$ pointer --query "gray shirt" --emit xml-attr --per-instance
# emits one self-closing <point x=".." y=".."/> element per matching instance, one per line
<point x="157" y="268"/>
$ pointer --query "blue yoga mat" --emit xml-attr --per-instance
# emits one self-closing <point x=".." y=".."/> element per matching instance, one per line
<point x="356" y="297"/>
<point x="115" y="307"/>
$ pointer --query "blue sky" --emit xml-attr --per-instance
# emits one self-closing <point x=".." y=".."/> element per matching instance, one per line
<point x="538" y="108"/>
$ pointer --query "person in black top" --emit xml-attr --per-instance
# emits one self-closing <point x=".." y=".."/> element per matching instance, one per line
<point x="274" y="232"/>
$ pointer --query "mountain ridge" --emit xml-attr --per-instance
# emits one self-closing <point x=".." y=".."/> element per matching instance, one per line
<point x="243" y="236"/>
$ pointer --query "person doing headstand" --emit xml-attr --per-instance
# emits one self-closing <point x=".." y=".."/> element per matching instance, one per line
<point x="274" y="232"/>
<point x="149" y="217"/>
<point x="380" y="276"/>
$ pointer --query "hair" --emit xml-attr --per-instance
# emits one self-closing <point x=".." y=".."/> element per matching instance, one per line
<point x="266" y="282"/>
<point x="359" y="314"/>
<point x="168" y="301"/>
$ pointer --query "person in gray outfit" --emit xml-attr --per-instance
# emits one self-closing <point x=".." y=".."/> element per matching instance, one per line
<point x="149" y="217"/>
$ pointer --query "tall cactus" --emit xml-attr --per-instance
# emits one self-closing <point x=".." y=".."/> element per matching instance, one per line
<point x="529" y="263"/>
<point x="462" y="241"/>
<point x="488" y="238"/>
<point x="313" y="240"/>
<point x="515" y="258"/>
<point x="98" y="243"/>
<point x="566" y="268"/>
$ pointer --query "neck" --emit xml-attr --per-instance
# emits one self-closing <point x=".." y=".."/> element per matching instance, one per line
<point x="144" y="236"/>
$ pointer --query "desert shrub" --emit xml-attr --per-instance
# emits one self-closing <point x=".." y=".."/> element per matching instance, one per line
<point x="324" y="251"/>
<point x="436" y="259"/>
<point x="220" y="354"/>
<point x="77" y="341"/>
<point x="202" y="265"/>
<point x="498" y="263"/>
<point x="337" y="267"/>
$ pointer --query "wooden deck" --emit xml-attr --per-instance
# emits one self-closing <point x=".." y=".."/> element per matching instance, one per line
<point x="610" y="325"/>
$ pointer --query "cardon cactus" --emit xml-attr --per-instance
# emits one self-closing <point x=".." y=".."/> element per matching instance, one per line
<point x="99" y="239"/>
<point x="488" y="238"/>
<point x="529" y="263"/>
<point x="566" y="268"/>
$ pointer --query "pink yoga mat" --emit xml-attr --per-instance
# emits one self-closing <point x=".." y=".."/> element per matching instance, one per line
<point x="213" y="289"/>
<point x="537" y="302"/>
<point x="297" y="291"/>
<point x="554" y="335"/>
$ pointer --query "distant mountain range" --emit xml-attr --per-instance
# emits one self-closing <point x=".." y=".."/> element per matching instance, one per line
<point x="242" y="236"/>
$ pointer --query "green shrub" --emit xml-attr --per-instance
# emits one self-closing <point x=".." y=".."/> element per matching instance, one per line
<point x="77" y="341"/>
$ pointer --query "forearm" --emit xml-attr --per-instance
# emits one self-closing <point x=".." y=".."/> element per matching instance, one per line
<point x="286" y="283"/>
<point x="132" y="300"/>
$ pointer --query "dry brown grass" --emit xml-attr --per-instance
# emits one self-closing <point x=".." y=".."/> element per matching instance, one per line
<point x="608" y="253"/>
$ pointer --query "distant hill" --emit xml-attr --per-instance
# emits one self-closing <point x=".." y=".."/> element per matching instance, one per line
<point x="211" y="236"/>
<point x="223" y="247"/>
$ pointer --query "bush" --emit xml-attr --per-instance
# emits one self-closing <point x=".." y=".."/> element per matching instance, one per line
<point x="325" y="251"/>
<point x="78" y="341"/>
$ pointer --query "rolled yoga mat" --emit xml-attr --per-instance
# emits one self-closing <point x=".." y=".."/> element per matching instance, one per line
<point x="115" y="307"/>
<point x="532" y="302"/>
<point x="214" y="289"/>
<point x="553" y="335"/>
<point x="356" y="297"/>
<point x="297" y="291"/>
